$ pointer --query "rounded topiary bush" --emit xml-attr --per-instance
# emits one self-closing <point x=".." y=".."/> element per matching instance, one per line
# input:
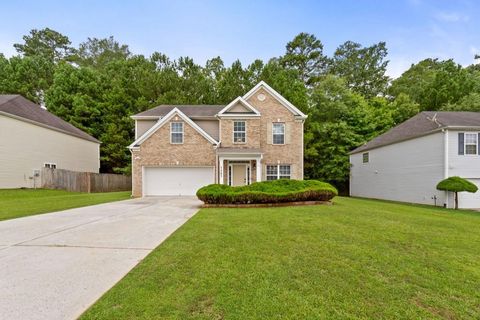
<point x="456" y="184"/>
<point x="268" y="192"/>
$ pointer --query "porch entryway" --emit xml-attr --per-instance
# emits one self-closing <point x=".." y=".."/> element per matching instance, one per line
<point x="239" y="167"/>
<point x="239" y="173"/>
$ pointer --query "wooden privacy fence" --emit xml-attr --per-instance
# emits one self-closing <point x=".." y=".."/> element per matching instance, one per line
<point x="84" y="181"/>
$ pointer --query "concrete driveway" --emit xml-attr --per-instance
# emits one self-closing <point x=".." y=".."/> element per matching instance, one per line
<point x="54" y="266"/>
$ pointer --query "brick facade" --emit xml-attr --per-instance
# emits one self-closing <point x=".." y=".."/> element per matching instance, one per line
<point x="252" y="127"/>
<point x="198" y="151"/>
<point x="157" y="151"/>
<point x="292" y="151"/>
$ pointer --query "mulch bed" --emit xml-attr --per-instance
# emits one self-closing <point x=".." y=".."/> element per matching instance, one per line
<point x="267" y="205"/>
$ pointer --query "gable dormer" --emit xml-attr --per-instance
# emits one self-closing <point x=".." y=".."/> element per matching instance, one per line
<point x="239" y="108"/>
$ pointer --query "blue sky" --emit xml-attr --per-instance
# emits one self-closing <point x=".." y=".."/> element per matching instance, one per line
<point x="247" y="30"/>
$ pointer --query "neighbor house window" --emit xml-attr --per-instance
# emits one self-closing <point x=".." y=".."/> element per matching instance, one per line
<point x="50" y="165"/>
<point x="278" y="131"/>
<point x="471" y="143"/>
<point x="176" y="132"/>
<point x="275" y="172"/>
<point x="239" y="132"/>
<point x="366" y="157"/>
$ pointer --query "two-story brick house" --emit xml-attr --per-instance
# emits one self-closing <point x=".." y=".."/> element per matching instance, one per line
<point x="180" y="148"/>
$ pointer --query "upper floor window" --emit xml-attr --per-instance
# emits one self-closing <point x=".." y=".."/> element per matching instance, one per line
<point x="239" y="132"/>
<point x="278" y="131"/>
<point x="275" y="172"/>
<point x="471" y="143"/>
<point x="176" y="132"/>
<point x="366" y="157"/>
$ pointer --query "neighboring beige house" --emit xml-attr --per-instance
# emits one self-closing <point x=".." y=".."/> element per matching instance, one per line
<point x="32" y="138"/>
<point x="179" y="149"/>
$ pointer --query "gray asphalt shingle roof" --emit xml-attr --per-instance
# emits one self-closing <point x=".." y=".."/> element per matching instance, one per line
<point x="201" y="110"/>
<point x="21" y="107"/>
<point x="421" y="124"/>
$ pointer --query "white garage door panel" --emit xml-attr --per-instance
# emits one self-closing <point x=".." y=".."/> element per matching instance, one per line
<point x="469" y="200"/>
<point x="176" y="181"/>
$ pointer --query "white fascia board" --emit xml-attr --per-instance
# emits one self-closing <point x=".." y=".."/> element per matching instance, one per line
<point x="243" y="102"/>
<point x="278" y="96"/>
<point x="145" y="117"/>
<point x="161" y="122"/>
<point x="238" y="115"/>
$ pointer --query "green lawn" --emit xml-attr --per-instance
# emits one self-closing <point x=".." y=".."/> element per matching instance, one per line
<point x="357" y="259"/>
<point x="15" y="203"/>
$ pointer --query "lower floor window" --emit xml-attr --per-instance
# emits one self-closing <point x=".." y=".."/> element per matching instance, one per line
<point x="275" y="172"/>
<point x="284" y="172"/>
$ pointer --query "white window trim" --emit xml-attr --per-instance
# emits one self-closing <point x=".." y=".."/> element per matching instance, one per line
<point x="171" y="132"/>
<point x="368" y="157"/>
<point x="273" y="134"/>
<point x="278" y="171"/>
<point x="471" y="144"/>
<point x="233" y="132"/>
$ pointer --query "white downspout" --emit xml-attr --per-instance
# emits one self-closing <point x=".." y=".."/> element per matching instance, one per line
<point x="445" y="161"/>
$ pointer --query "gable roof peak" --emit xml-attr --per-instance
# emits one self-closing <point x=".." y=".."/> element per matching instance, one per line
<point x="276" y="95"/>
<point x="243" y="102"/>
<point x="164" y="120"/>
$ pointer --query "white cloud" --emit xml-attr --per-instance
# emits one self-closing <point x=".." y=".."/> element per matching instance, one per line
<point x="6" y="46"/>
<point x="451" y="17"/>
<point x="475" y="51"/>
<point x="398" y="65"/>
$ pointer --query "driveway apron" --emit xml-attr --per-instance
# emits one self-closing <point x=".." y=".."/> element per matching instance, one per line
<point x="55" y="265"/>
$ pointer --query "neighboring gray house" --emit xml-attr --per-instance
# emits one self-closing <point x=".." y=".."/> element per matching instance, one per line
<point x="406" y="163"/>
<point x="32" y="138"/>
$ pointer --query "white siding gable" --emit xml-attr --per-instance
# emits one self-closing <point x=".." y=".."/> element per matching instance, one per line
<point x="406" y="171"/>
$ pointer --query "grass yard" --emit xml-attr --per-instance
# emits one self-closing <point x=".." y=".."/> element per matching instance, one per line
<point x="358" y="259"/>
<point x="16" y="203"/>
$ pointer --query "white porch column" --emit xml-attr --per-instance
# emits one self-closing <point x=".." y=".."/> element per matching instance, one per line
<point x="259" y="169"/>
<point x="221" y="170"/>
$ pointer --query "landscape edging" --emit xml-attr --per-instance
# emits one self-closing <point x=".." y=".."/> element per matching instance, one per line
<point x="267" y="205"/>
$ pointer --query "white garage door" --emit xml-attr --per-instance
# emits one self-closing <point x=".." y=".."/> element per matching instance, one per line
<point x="469" y="200"/>
<point x="162" y="181"/>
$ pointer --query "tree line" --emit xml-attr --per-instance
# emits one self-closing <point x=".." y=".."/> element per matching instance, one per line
<point x="348" y="97"/>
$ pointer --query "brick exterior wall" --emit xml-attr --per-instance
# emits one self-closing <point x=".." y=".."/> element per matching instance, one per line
<point x="252" y="126"/>
<point x="197" y="151"/>
<point x="158" y="151"/>
<point x="292" y="152"/>
<point x="271" y="110"/>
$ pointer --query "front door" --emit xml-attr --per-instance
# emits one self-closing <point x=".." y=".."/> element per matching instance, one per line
<point x="239" y="172"/>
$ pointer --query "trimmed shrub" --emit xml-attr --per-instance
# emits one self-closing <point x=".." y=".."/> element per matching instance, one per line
<point x="268" y="192"/>
<point x="456" y="185"/>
